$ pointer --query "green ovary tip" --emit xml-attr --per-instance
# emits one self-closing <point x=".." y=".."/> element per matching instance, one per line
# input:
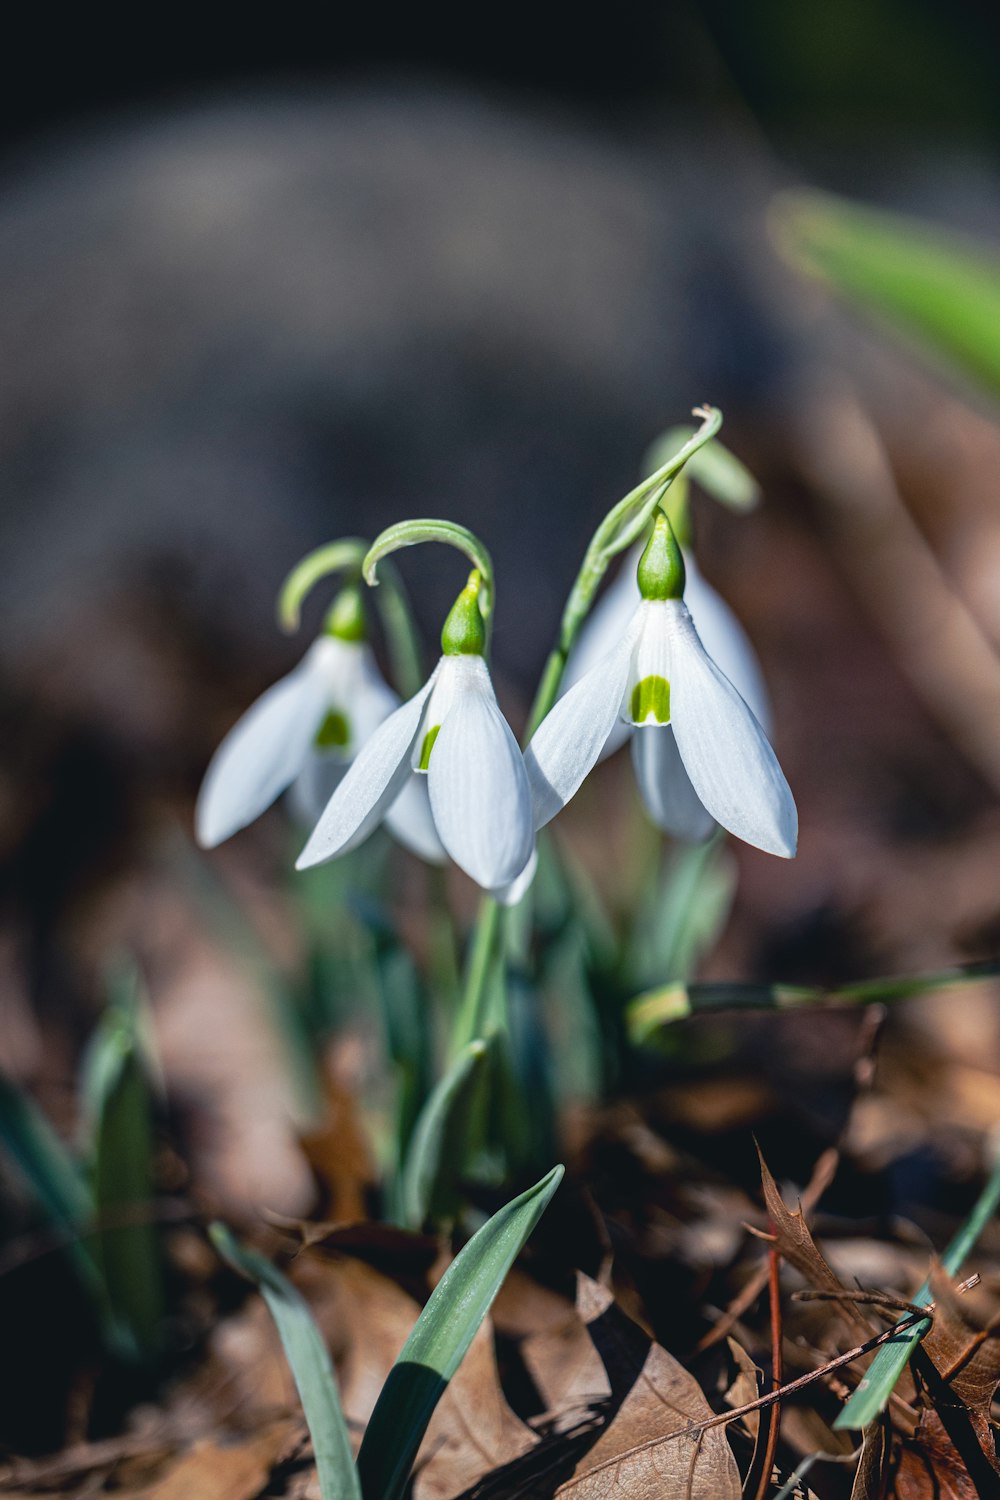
<point x="346" y="618"/>
<point x="334" y="733"/>
<point x="651" y="700"/>
<point x="428" y="746"/>
<point x="464" y="632"/>
<point x="660" y="573"/>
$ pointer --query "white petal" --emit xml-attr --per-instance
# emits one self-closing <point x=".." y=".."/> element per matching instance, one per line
<point x="477" y="782"/>
<point x="368" y="698"/>
<point x="726" y="642"/>
<point x="264" y="752"/>
<point x="607" y="622"/>
<point x="569" y="740"/>
<point x="373" y="782"/>
<point x="315" y="784"/>
<point x="666" y="789"/>
<point x="603" y="628"/>
<point x="510" y="895"/>
<point x="725" y="752"/>
<point x="410" y="821"/>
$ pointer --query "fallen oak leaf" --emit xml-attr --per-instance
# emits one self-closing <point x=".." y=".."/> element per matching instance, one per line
<point x="929" y="1467"/>
<point x="649" y="1389"/>
<point x="792" y="1386"/>
<point x="793" y="1239"/>
<point x="823" y="1174"/>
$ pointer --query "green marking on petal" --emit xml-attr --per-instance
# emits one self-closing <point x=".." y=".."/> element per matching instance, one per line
<point x="334" y="733"/>
<point x="428" y="746"/>
<point x="651" y="700"/>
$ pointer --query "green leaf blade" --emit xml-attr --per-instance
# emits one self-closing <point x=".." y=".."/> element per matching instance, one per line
<point x="310" y="1364"/>
<point x="437" y="1148"/>
<point x="874" y="1390"/>
<point x="126" y="1244"/>
<point x="934" y="288"/>
<point x="440" y="1339"/>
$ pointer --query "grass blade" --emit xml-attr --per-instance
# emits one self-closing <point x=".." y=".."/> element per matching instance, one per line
<point x="310" y="1365"/>
<point x="55" y="1181"/>
<point x="933" y="287"/>
<point x="878" y="1384"/>
<point x="126" y="1244"/>
<point x="438" y="1147"/>
<point x="439" y="1341"/>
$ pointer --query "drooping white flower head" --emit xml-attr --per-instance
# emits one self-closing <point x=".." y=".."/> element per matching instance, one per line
<point x="452" y="737"/>
<point x="700" y="754"/>
<point x="719" y="630"/>
<point x="303" y="733"/>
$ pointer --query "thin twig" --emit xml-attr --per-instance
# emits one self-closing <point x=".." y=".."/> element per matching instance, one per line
<point x="777" y="1369"/>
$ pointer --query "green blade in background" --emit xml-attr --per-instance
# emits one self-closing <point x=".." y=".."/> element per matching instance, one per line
<point x="935" y="288"/>
<point x="878" y="1384"/>
<point x="55" y="1181"/>
<point x="126" y="1243"/>
<point x="438" y="1145"/>
<point x="718" y="472"/>
<point x="309" y="1360"/>
<point x="683" y="914"/>
<point x="440" y="1339"/>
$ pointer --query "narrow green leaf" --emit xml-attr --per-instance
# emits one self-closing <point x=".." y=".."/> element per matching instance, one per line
<point x="309" y="1360"/>
<point x="126" y="1243"/>
<point x="53" y="1177"/>
<point x="46" y="1164"/>
<point x="684" y="912"/>
<point x="440" y="1339"/>
<point x="665" y="1005"/>
<point x="437" y="1147"/>
<point x="933" y="287"/>
<point x="878" y="1384"/>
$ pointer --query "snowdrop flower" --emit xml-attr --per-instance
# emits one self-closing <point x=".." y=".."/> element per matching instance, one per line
<point x="700" y="755"/>
<point x="719" y="630"/>
<point x="303" y="733"/>
<point x="451" y="736"/>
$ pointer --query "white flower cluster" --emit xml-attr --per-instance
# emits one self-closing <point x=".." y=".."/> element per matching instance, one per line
<point x="444" y="771"/>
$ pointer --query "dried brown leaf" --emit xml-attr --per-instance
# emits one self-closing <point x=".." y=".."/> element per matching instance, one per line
<point x="797" y="1246"/>
<point x="746" y="1386"/>
<point x="213" y="1470"/>
<point x="930" y="1467"/>
<point x="654" y="1397"/>
<point x="963" y="1342"/>
<point x="565" y="1366"/>
<point x="871" y="1481"/>
<point x="473" y="1430"/>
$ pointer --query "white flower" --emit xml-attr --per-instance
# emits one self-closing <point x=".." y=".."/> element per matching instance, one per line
<point x="720" y="632"/>
<point x="698" y="751"/>
<point x="304" y="732"/>
<point x="453" y="733"/>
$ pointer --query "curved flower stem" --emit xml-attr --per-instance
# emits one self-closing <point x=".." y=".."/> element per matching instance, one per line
<point x="619" y="529"/>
